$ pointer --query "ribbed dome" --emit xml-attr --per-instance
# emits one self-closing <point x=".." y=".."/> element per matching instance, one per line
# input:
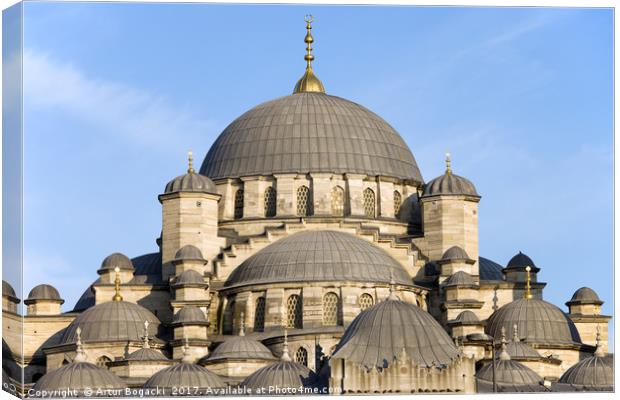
<point x="44" y="292"/>
<point x="584" y="295"/>
<point x="455" y="253"/>
<point x="112" y="321"/>
<point x="520" y="350"/>
<point x="189" y="252"/>
<point x="450" y="184"/>
<point x="319" y="256"/>
<point x="240" y="348"/>
<point x="189" y="314"/>
<point x="79" y="376"/>
<point x="467" y="318"/>
<point x="190" y="277"/>
<point x="460" y="278"/>
<point x="536" y="320"/>
<point x="191" y="182"/>
<point x="310" y="132"/>
<point x="116" y="260"/>
<point x="146" y="354"/>
<point x="281" y="374"/>
<point x="596" y="372"/>
<point x="7" y="289"/>
<point x="379" y="334"/>
<point x="489" y="270"/>
<point x="184" y="375"/>
<point x="509" y="372"/>
<point x="521" y="261"/>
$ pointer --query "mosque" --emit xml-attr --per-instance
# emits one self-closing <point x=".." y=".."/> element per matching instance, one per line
<point x="308" y="256"/>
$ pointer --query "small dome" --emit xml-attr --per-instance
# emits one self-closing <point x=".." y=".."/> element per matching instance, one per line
<point x="281" y="375"/>
<point x="520" y="350"/>
<point x="509" y="372"/>
<point x="112" y="321"/>
<point x="466" y="318"/>
<point x="189" y="315"/>
<point x="43" y="292"/>
<point x="520" y="261"/>
<point x="490" y="270"/>
<point x="79" y="376"/>
<point x="147" y="354"/>
<point x="7" y="289"/>
<point x="189" y="252"/>
<point x="584" y="295"/>
<point x="312" y="256"/>
<point x="450" y="184"/>
<point x="184" y="375"/>
<point x="592" y="373"/>
<point x="240" y="348"/>
<point x="116" y="260"/>
<point x="191" y="182"/>
<point x="460" y="278"/>
<point x="536" y="320"/>
<point x="456" y="253"/>
<point x="190" y="277"/>
<point x="378" y="335"/>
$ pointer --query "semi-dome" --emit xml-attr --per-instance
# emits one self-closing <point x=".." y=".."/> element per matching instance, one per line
<point x="319" y="256"/>
<point x="537" y="321"/>
<point x="521" y="261"/>
<point x="84" y="378"/>
<point x="450" y="184"/>
<point x="310" y="132"/>
<point x="116" y="260"/>
<point x="584" y="295"/>
<point x="184" y="375"/>
<point x="43" y="292"/>
<point x="189" y="315"/>
<point x="378" y="335"/>
<point x="592" y="373"/>
<point x="112" y="321"/>
<point x="456" y="253"/>
<point x="490" y="270"/>
<point x="189" y="252"/>
<point x="240" y="348"/>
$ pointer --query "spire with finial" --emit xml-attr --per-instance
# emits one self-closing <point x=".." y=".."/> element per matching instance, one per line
<point x="309" y="82"/>
<point x="117" y="285"/>
<point x="242" y="325"/>
<point x="190" y="160"/>
<point x="146" y="344"/>
<point x="80" y="354"/>
<point x="528" y="286"/>
<point x="599" y="352"/>
<point x="285" y="356"/>
<point x="392" y="295"/>
<point x="503" y="355"/>
<point x="448" y="164"/>
<point x="515" y="333"/>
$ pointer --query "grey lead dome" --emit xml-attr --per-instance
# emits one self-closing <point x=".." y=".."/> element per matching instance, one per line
<point x="319" y="256"/>
<point x="450" y="184"/>
<point x="44" y="292"/>
<point x="82" y="377"/>
<point x="310" y="132"/>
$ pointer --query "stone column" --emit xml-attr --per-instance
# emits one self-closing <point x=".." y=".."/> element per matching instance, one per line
<point x="251" y="198"/>
<point x="321" y="184"/>
<point x="355" y="189"/>
<point x="227" y="203"/>
<point x="286" y="196"/>
<point x="312" y="298"/>
<point x="385" y="197"/>
<point x="275" y="309"/>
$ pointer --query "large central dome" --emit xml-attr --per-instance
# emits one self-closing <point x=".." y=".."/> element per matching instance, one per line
<point x="310" y="132"/>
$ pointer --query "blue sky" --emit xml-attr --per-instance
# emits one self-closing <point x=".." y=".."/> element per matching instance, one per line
<point x="117" y="93"/>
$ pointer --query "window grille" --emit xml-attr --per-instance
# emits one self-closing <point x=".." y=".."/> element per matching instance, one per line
<point x="331" y="309"/>
<point x="259" y="315"/>
<point x="239" y="204"/>
<point x="103" y="361"/>
<point x="369" y="203"/>
<point x="301" y="356"/>
<point x="366" y="301"/>
<point x="398" y="200"/>
<point x="304" y="201"/>
<point x="293" y="308"/>
<point x="338" y="201"/>
<point x="270" y="202"/>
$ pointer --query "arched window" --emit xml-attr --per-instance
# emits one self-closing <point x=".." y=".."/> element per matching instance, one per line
<point x="301" y="356"/>
<point x="229" y="311"/>
<point x="338" y="201"/>
<point x="331" y="309"/>
<point x="398" y="201"/>
<point x="239" y="204"/>
<point x="259" y="315"/>
<point x="270" y="202"/>
<point x="304" y="201"/>
<point x="293" y="312"/>
<point x="366" y="301"/>
<point x="369" y="203"/>
<point x="103" y="361"/>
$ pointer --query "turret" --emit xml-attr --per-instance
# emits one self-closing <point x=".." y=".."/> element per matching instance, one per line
<point x="43" y="300"/>
<point x="190" y="331"/>
<point x="190" y="217"/>
<point x="109" y="265"/>
<point x="584" y="309"/>
<point x="450" y="216"/>
<point x="9" y="298"/>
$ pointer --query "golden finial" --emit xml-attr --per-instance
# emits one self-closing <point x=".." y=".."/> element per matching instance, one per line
<point x="117" y="286"/>
<point x="190" y="159"/>
<point x="309" y="82"/>
<point x="528" y="286"/>
<point x="448" y="164"/>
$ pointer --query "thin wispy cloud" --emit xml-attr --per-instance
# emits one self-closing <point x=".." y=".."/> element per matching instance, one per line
<point x="145" y="118"/>
<point x="520" y="29"/>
